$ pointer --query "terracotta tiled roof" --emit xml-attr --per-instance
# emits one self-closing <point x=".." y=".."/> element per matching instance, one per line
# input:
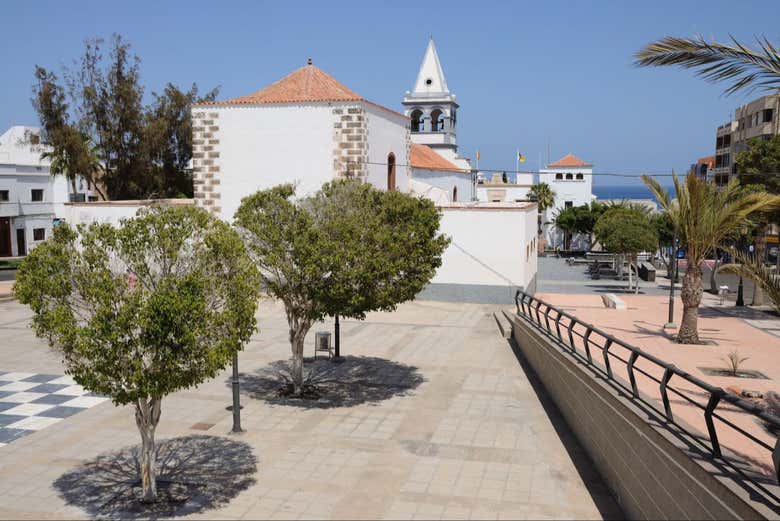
<point x="309" y="84"/>
<point x="423" y="156"/>
<point x="569" y="160"/>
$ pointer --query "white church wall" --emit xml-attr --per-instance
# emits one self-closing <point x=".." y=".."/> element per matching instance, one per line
<point x="576" y="191"/>
<point x="492" y="245"/>
<point x="263" y="146"/>
<point x="111" y="212"/>
<point x="387" y="133"/>
<point x="446" y="181"/>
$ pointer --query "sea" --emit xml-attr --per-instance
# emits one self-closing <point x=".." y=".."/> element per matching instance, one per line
<point x="639" y="191"/>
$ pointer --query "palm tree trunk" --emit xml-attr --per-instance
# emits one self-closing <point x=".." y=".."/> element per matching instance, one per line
<point x="713" y="282"/>
<point x="691" y="298"/>
<point x="758" y="292"/>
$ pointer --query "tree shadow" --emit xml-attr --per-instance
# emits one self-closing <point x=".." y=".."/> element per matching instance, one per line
<point x="195" y="473"/>
<point x="354" y="381"/>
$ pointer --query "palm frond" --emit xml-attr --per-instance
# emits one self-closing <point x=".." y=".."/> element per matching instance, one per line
<point x="749" y="267"/>
<point x="749" y="68"/>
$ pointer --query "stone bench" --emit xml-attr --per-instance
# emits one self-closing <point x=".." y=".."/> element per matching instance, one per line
<point x="611" y="300"/>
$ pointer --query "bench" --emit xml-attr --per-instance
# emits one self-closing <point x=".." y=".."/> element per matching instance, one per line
<point x="612" y="301"/>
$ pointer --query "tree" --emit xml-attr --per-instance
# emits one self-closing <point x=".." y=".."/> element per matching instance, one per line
<point x="143" y="151"/>
<point x="705" y="217"/>
<point x="544" y="197"/>
<point x="626" y="232"/>
<point x="159" y="304"/>
<point x="346" y="250"/>
<point x="716" y="62"/>
<point x="749" y="266"/>
<point x="759" y="165"/>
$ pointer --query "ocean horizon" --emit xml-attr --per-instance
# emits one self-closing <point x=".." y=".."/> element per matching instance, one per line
<point x="604" y="192"/>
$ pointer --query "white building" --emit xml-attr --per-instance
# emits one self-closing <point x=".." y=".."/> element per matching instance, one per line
<point x="572" y="181"/>
<point x="306" y="128"/>
<point x="30" y="198"/>
<point x="309" y="128"/>
<point x="495" y="190"/>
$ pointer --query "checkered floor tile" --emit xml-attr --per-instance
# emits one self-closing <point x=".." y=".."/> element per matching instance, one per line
<point x="30" y="402"/>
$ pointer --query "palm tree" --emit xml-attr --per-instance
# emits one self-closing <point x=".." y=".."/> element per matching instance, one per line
<point x="545" y="198"/>
<point x="705" y="217"/>
<point x="717" y="62"/>
<point x="751" y="267"/>
<point x="79" y="158"/>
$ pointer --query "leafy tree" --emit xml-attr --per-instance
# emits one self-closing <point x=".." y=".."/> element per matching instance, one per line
<point x="626" y="232"/>
<point x="347" y="250"/>
<point x="143" y="151"/>
<point x="705" y="217"/>
<point x="664" y="228"/>
<point x="716" y="62"/>
<point x="138" y="312"/>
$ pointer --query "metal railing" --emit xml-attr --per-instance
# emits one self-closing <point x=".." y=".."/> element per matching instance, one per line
<point x="587" y="343"/>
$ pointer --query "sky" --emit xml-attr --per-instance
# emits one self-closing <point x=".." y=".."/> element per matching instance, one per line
<point x="533" y="76"/>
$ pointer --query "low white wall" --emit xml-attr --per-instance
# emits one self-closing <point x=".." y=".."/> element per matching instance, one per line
<point x="111" y="212"/>
<point x="492" y="244"/>
<point x="446" y="181"/>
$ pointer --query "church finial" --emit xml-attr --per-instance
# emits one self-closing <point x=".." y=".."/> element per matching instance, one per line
<point x="308" y="62"/>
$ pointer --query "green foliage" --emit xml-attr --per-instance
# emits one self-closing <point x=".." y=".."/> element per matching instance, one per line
<point x="760" y="163"/>
<point x="160" y="304"/>
<point x="142" y="151"/>
<point x="626" y="231"/>
<point x="664" y="228"/>
<point x="543" y="195"/>
<point x="716" y="62"/>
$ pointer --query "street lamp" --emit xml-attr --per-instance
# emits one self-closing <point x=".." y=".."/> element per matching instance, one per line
<point x="674" y="272"/>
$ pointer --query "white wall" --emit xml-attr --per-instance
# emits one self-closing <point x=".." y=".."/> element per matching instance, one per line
<point x="511" y="193"/>
<point x="579" y="192"/>
<point x="111" y="212"/>
<point x="446" y="181"/>
<point x="387" y="132"/>
<point x="490" y="244"/>
<point x="263" y="146"/>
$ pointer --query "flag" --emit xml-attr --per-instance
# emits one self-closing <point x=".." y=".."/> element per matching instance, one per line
<point x="521" y="158"/>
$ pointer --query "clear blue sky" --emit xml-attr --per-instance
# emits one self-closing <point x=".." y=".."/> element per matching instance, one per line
<point x="525" y="73"/>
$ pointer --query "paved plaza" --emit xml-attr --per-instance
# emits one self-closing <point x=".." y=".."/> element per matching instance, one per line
<point x="430" y="416"/>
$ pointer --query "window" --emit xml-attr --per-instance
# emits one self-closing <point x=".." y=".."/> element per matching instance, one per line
<point x="727" y="140"/>
<point x="77" y="198"/>
<point x="719" y="142"/>
<point x="454" y="194"/>
<point x="437" y="121"/>
<point x="36" y="195"/>
<point x="768" y="113"/>
<point x="35" y="139"/>
<point x="568" y="204"/>
<point x="417" y="120"/>
<point x="4" y="195"/>
<point x="391" y="172"/>
<point x="580" y="177"/>
<point x="569" y="176"/>
<point x="39" y="234"/>
<point x="558" y="176"/>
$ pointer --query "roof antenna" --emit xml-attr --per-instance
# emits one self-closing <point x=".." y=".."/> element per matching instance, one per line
<point x="308" y="62"/>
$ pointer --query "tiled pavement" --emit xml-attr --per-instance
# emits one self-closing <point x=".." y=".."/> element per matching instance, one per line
<point x="30" y="402"/>
<point x="476" y="438"/>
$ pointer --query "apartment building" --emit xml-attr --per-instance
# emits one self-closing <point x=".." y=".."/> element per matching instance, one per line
<point x="758" y="119"/>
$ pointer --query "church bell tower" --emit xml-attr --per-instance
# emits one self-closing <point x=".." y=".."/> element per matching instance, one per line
<point x="432" y="108"/>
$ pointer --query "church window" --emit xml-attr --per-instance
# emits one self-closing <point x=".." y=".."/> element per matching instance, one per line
<point x="417" y="120"/>
<point x="437" y="121"/>
<point x="429" y="81"/>
<point x="391" y="172"/>
<point x="569" y="176"/>
<point x="454" y="194"/>
<point x="558" y="176"/>
<point x="580" y="177"/>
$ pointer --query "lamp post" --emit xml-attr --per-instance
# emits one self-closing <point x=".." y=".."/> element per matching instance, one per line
<point x="674" y="271"/>
<point x="740" y="288"/>
<point x="236" y="407"/>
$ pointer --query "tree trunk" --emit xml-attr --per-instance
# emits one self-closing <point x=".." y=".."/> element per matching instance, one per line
<point x="73" y="187"/>
<point x="297" y="336"/>
<point x="630" y="285"/>
<point x="636" y="269"/>
<point x="713" y="282"/>
<point x="691" y="297"/>
<point x="758" y="293"/>
<point x="147" y="415"/>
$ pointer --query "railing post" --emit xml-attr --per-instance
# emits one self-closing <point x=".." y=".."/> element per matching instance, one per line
<point x="587" y="346"/>
<point x="668" y="373"/>
<point x="715" y="397"/>
<point x="558" y="325"/>
<point x="631" y="377"/>
<point x="605" y="351"/>
<point x="517" y="301"/>
<point x="547" y="318"/>
<point x="776" y="460"/>
<point x="538" y="318"/>
<point x="571" y="335"/>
